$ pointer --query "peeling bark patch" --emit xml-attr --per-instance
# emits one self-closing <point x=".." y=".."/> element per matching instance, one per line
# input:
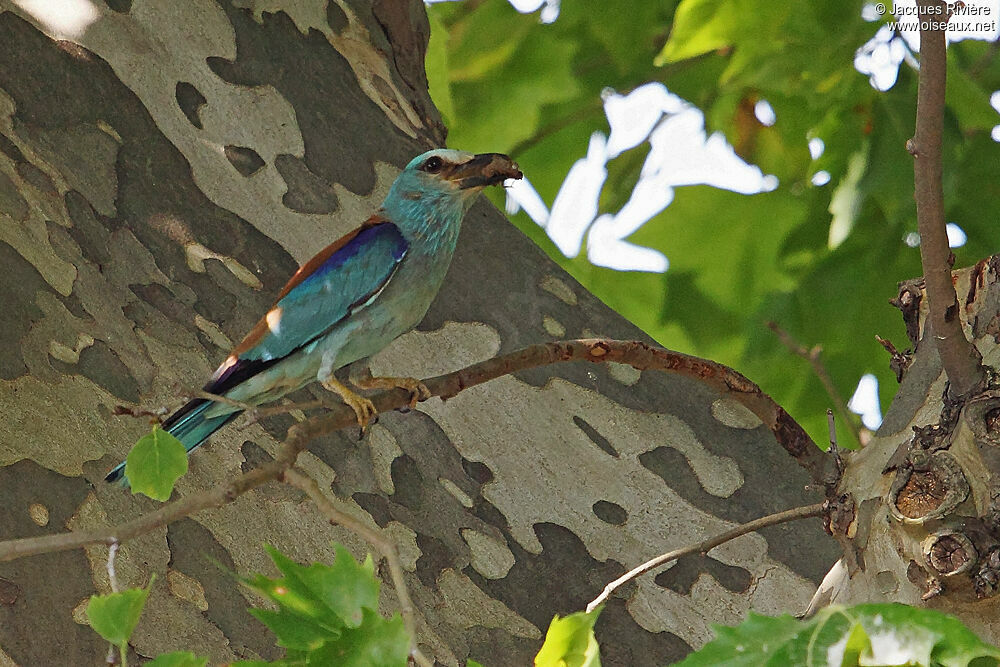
<point x="685" y="572"/>
<point x="195" y="552"/>
<point x="787" y="543"/>
<point x="559" y="546"/>
<point x="487" y="645"/>
<point x="603" y="443"/>
<point x="407" y="31"/>
<point x="153" y="178"/>
<point x="311" y="75"/>
<point x="10" y="149"/>
<point x="158" y="297"/>
<point x="254" y="456"/>
<point x="642" y="648"/>
<point x="307" y="192"/>
<point x="610" y="512"/>
<point x="478" y="472"/>
<point x="11" y="202"/>
<point x="83" y="155"/>
<point x="38" y="178"/>
<point x="9" y="592"/>
<point x="335" y="17"/>
<point x="99" y="364"/>
<point x="519" y="591"/>
<point x="375" y="505"/>
<point x="190" y="100"/>
<point x="435" y="557"/>
<point x="244" y="160"/>
<point x="40" y="604"/>
<point x="120" y="6"/>
<point x="407" y="479"/>
<point x="87" y="230"/>
<point x="18" y="312"/>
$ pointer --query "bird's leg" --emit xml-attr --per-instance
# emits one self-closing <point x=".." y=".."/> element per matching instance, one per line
<point x="418" y="390"/>
<point x="363" y="408"/>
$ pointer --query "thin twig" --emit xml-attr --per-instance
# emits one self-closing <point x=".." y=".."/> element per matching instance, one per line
<point x="637" y="354"/>
<point x="302" y="481"/>
<point x="224" y="400"/>
<point x="112" y="554"/>
<point x="819" y="368"/>
<point x="960" y="358"/>
<point x="836" y="471"/>
<point x="705" y="546"/>
<point x="899" y="362"/>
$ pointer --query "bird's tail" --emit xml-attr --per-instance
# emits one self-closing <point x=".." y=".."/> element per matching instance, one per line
<point x="189" y="425"/>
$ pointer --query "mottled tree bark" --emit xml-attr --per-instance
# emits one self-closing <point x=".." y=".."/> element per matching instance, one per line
<point x="164" y="167"/>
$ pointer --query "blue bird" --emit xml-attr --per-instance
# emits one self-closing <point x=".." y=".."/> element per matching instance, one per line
<point x="352" y="299"/>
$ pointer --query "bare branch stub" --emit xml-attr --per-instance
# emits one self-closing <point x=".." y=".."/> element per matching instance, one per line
<point x="961" y="360"/>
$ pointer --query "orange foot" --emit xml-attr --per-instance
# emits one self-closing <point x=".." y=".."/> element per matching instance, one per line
<point x="418" y="390"/>
<point x="363" y="408"/>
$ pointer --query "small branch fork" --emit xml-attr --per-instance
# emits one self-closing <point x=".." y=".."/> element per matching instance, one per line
<point x="806" y="512"/>
<point x="637" y="354"/>
<point x="813" y="356"/>
<point x="960" y="358"/>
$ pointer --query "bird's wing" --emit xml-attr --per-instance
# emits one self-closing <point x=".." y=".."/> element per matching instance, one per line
<point x="346" y="275"/>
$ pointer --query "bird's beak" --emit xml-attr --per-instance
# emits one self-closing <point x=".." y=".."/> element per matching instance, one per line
<point x="484" y="169"/>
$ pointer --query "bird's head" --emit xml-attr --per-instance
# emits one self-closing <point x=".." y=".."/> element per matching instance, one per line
<point x="445" y="182"/>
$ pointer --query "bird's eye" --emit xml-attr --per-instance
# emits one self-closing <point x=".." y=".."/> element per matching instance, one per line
<point x="433" y="164"/>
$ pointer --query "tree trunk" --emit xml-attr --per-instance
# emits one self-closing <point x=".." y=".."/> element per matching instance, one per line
<point x="918" y="510"/>
<point x="164" y="167"/>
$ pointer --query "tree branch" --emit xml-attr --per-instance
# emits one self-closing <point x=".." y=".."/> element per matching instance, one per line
<point x="306" y="483"/>
<point x="819" y="368"/>
<point x="961" y="359"/>
<point x="705" y="546"/>
<point x="637" y="354"/>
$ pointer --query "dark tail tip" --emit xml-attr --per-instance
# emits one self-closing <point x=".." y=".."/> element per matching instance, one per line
<point x="117" y="474"/>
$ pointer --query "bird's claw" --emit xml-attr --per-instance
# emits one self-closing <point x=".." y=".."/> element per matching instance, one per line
<point x="418" y="391"/>
<point x="363" y="408"/>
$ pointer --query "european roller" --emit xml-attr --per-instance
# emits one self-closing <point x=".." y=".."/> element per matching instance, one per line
<point x="352" y="299"/>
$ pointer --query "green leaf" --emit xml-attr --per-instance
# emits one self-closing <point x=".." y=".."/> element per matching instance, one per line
<point x="115" y="615"/>
<point x="328" y="614"/>
<point x="857" y="644"/>
<point x="156" y="461"/>
<point x="376" y="641"/>
<point x="472" y="663"/>
<point x="872" y="634"/>
<point x="293" y="631"/>
<point x="333" y="595"/>
<point x="700" y="26"/>
<point x="570" y="642"/>
<point x="177" y="659"/>
<point x="748" y="644"/>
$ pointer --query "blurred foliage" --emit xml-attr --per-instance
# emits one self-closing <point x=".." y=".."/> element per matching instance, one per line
<point x="867" y="634"/>
<point x="506" y="82"/>
<point x="570" y="642"/>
